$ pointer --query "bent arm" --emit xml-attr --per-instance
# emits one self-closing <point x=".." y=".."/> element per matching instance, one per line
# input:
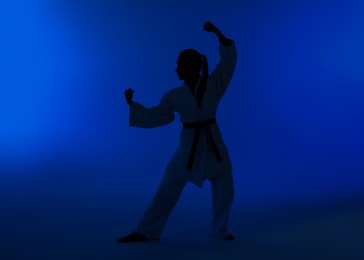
<point x="156" y="116"/>
<point x="222" y="74"/>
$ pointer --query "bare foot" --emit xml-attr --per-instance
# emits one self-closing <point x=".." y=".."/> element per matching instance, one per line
<point x="229" y="237"/>
<point x="132" y="237"/>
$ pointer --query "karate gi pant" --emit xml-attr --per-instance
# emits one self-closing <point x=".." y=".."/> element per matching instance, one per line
<point x="155" y="217"/>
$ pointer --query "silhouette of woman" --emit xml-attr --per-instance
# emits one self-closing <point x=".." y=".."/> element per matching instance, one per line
<point x="201" y="153"/>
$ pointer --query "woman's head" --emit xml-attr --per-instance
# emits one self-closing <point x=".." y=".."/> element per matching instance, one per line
<point x="189" y="64"/>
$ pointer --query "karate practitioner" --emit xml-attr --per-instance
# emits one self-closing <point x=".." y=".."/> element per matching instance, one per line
<point x="201" y="153"/>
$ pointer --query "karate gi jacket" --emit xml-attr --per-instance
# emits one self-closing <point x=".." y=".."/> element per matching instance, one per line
<point x="183" y="101"/>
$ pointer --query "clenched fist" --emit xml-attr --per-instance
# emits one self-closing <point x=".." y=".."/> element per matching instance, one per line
<point x="210" y="27"/>
<point x="129" y="96"/>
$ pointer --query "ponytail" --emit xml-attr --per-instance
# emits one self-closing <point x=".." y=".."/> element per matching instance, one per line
<point x="202" y="86"/>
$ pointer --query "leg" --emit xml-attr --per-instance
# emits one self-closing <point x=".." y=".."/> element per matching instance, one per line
<point x="222" y="188"/>
<point x="166" y="197"/>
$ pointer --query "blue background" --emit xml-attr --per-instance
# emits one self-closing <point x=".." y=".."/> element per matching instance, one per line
<point x="71" y="169"/>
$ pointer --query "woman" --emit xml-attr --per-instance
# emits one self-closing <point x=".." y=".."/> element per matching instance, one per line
<point x="201" y="153"/>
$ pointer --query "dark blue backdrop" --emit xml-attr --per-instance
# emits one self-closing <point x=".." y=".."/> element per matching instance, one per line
<point x="292" y="117"/>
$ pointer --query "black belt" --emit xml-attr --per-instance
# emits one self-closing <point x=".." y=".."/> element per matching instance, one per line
<point x="198" y="126"/>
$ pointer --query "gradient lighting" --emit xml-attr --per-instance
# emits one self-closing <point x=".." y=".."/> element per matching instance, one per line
<point x="42" y="58"/>
<point x="292" y="117"/>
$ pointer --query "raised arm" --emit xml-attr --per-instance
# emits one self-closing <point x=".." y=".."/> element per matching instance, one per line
<point x="223" y="73"/>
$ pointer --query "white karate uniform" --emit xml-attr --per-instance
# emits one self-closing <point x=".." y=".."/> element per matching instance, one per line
<point x="205" y="165"/>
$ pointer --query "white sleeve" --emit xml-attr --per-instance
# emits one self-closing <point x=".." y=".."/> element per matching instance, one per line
<point x="222" y="74"/>
<point x="163" y="114"/>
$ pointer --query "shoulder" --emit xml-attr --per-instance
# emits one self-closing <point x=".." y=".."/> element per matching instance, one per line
<point x="174" y="91"/>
